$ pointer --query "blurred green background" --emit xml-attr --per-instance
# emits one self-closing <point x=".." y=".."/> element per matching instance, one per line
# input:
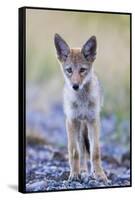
<point x="44" y="77"/>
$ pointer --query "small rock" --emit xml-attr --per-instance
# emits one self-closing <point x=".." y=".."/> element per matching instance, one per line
<point x="84" y="178"/>
<point x="75" y="184"/>
<point x="37" y="186"/>
<point x="58" y="156"/>
<point x="112" y="176"/>
<point x="93" y="183"/>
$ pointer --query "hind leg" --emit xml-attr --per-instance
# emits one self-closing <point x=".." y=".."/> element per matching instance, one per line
<point x="83" y="159"/>
<point x="84" y="148"/>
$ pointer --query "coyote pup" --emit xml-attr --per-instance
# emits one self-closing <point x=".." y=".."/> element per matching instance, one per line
<point x="82" y="101"/>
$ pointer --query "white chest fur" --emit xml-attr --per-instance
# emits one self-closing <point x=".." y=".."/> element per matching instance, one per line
<point x="81" y="105"/>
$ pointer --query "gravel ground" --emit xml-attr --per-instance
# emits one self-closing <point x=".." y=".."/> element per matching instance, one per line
<point x="47" y="169"/>
<point x="47" y="165"/>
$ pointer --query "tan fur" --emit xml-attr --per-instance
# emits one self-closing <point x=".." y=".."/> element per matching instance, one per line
<point x="82" y="110"/>
<point x="73" y="127"/>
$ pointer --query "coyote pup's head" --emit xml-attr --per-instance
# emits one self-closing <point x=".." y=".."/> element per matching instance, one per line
<point x="76" y="63"/>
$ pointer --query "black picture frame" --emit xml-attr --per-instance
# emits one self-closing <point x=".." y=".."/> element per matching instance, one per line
<point x="22" y="95"/>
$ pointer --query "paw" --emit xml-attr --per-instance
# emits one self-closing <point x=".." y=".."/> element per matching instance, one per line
<point x="100" y="175"/>
<point x="74" y="177"/>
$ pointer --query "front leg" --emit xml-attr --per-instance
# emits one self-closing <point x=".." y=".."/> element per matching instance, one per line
<point x="73" y="127"/>
<point x="93" y="133"/>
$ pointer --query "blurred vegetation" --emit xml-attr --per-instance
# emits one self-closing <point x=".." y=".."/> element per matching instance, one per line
<point x="113" y="55"/>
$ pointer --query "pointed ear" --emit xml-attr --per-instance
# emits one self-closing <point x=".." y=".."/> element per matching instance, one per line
<point x="89" y="49"/>
<point x="61" y="47"/>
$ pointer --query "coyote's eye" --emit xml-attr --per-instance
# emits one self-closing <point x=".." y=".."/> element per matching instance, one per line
<point x="69" y="70"/>
<point x="83" y="70"/>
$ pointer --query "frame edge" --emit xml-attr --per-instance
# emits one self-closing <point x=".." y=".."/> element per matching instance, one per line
<point x="21" y="93"/>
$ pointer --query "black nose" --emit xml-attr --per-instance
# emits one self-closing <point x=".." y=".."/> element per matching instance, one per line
<point x="75" y="86"/>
